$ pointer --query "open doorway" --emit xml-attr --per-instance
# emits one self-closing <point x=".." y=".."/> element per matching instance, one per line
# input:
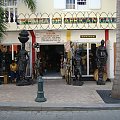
<point x="50" y="57"/>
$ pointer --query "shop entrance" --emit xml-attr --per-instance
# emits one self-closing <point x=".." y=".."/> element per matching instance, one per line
<point x="50" y="57"/>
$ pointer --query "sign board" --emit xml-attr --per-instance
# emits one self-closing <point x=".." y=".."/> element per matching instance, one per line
<point x="49" y="37"/>
<point x="73" y="20"/>
<point x="87" y="36"/>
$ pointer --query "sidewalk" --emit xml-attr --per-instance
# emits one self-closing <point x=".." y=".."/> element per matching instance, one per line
<point x="60" y="96"/>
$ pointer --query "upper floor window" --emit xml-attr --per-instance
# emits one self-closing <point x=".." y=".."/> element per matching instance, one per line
<point x="81" y="2"/>
<point x="77" y="4"/>
<point x="70" y="4"/>
<point x="10" y="2"/>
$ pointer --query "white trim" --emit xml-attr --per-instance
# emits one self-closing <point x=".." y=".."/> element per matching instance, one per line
<point x="51" y="78"/>
<point x="12" y="52"/>
<point x="88" y="59"/>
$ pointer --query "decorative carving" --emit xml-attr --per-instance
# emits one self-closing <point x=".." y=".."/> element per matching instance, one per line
<point x="77" y="66"/>
<point x="102" y="55"/>
<point x="23" y="58"/>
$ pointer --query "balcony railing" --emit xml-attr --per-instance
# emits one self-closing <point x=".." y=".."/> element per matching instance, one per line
<point x="68" y="20"/>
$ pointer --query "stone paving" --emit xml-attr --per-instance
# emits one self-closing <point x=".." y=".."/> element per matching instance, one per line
<point x="57" y="92"/>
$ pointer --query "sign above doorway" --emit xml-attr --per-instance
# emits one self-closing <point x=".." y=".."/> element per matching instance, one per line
<point x="87" y="36"/>
<point x="49" y="37"/>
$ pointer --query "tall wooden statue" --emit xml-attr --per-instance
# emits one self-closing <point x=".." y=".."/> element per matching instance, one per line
<point x="102" y="56"/>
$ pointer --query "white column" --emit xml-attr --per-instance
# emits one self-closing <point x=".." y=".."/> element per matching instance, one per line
<point x="9" y="14"/>
<point x="14" y="14"/>
<point x="87" y="58"/>
<point x="12" y="52"/>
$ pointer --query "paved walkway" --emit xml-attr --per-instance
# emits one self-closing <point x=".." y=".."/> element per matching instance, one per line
<point x="60" y="96"/>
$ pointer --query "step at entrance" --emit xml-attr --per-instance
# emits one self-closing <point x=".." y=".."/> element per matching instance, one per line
<point x="52" y="77"/>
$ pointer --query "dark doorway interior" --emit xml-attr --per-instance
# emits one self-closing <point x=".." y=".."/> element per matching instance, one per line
<point x="50" y="56"/>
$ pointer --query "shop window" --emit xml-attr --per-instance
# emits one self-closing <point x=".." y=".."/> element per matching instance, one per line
<point x="5" y="58"/>
<point x="9" y="53"/>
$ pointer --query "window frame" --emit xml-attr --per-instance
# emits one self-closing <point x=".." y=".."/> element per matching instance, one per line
<point x="76" y="6"/>
<point x="70" y="4"/>
<point x="10" y="3"/>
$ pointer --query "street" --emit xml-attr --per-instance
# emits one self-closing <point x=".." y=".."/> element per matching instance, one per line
<point x="60" y="115"/>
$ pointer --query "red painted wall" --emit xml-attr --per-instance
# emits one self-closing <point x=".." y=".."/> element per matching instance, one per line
<point x="106" y="36"/>
<point x="33" y="50"/>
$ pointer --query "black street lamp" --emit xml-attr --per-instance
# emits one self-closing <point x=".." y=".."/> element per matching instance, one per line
<point x="40" y="93"/>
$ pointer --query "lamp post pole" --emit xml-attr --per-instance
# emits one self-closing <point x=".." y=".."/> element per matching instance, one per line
<point x="40" y="93"/>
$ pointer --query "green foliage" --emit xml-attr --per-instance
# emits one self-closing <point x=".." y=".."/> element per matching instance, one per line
<point x="3" y="25"/>
<point x="31" y="4"/>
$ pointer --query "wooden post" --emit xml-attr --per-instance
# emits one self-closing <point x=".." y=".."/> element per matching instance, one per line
<point x="5" y="79"/>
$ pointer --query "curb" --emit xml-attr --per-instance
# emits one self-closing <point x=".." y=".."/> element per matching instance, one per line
<point x="18" y="108"/>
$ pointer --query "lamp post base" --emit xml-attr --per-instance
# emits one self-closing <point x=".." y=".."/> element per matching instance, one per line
<point x="40" y="99"/>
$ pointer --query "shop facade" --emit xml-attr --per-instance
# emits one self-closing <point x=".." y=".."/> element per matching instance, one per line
<point x="88" y="38"/>
<point x="58" y="39"/>
<point x="55" y="29"/>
